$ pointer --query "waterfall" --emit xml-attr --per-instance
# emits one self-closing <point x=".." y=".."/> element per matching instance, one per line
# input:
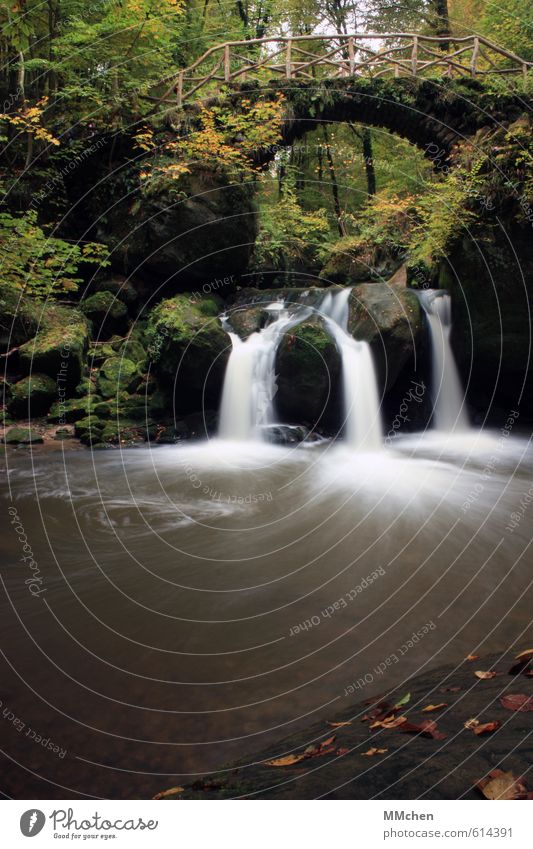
<point x="448" y="397"/>
<point x="362" y="416"/>
<point x="250" y="382"/>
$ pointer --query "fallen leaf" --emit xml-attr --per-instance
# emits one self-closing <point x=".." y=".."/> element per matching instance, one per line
<point x="427" y="728"/>
<point x="373" y="751"/>
<point x="471" y="723"/>
<point x="502" y="785"/>
<point x="338" y="724"/>
<point x="173" y="791"/>
<point x="390" y="721"/>
<point x="342" y="750"/>
<point x="403" y="701"/>
<point x="486" y="727"/>
<point x="431" y="708"/>
<point x="471" y="657"/>
<point x="517" y="701"/>
<point x="288" y="760"/>
<point x="485" y="675"/>
<point x="524" y="665"/>
<point x="525" y="653"/>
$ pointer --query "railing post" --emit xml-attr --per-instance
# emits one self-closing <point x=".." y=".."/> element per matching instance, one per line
<point x="179" y="90"/>
<point x="288" y="60"/>
<point x="475" y="53"/>
<point x="351" y="56"/>
<point x="227" y="63"/>
<point x="414" y="56"/>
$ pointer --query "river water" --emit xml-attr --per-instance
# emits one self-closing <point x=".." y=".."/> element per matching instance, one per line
<point x="194" y="602"/>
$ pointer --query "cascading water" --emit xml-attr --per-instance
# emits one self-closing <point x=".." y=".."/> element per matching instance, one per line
<point x="250" y="380"/>
<point x="449" y="409"/>
<point x="362" y="417"/>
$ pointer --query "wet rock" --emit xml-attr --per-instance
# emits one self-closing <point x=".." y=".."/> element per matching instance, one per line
<point x="280" y="434"/>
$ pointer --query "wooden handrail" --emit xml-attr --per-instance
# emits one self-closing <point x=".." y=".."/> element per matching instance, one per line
<point x="345" y="64"/>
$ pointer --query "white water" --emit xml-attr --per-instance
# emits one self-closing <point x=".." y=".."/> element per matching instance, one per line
<point x="363" y="430"/>
<point x="250" y="382"/>
<point x="449" y="410"/>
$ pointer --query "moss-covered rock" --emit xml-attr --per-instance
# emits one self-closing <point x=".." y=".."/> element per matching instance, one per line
<point x="72" y="409"/>
<point x="59" y="347"/>
<point x="89" y="429"/>
<point x="308" y="366"/>
<point x="189" y="350"/>
<point x="117" y="374"/>
<point x="107" y="314"/>
<point x="18" y="318"/>
<point x="32" y="396"/>
<point x="390" y="319"/>
<point x="22" y="436"/>
<point x="120" y="287"/>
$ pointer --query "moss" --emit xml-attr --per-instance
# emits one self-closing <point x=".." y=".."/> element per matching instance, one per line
<point x="116" y="374"/>
<point x="73" y="409"/>
<point x="18" y="318"/>
<point x="89" y="429"/>
<point x="32" y="395"/>
<point x="59" y="347"/>
<point x="189" y="350"/>
<point x="106" y="313"/>
<point x="119" y="287"/>
<point x="22" y="436"/>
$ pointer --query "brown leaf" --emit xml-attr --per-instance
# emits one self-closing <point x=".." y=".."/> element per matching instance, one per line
<point x="287" y="760"/>
<point x="525" y="653"/>
<point x="517" y="701"/>
<point x="342" y="750"/>
<point x="471" y="723"/>
<point x="431" y="708"/>
<point x="472" y="657"/>
<point x="173" y="791"/>
<point x="485" y="675"/>
<point x="523" y="667"/>
<point x="373" y="751"/>
<point x="338" y="724"/>
<point x="486" y="727"/>
<point x="427" y="728"/>
<point x="502" y="785"/>
<point x="390" y="721"/>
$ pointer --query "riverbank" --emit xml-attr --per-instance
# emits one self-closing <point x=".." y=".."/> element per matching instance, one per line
<point x="444" y="734"/>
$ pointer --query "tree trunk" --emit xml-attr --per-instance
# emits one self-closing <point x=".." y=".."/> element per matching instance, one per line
<point x="442" y="22"/>
<point x="369" y="161"/>
<point x="334" y="185"/>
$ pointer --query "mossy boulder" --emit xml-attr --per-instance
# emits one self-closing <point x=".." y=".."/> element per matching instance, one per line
<point x="18" y="318"/>
<point x="390" y="319"/>
<point x="32" y="396"/>
<point x="308" y="367"/>
<point x="117" y="374"/>
<point x="89" y="429"/>
<point x="107" y="314"/>
<point x="58" y="350"/>
<point x="247" y="320"/>
<point x="189" y="351"/>
<point x="22" y="436"/>
<point x="72" y="409"/>
<point x="118" y="286"/>
<point x="351" y="262"/>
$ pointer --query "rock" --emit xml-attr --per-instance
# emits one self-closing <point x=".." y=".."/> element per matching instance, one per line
<point x="22" y="436"/>
<point x="247" y="320"/>
<point x="107" y="314"/>
<point x="120" y="287"/>
<point x="180" y="238"/>
<point x="32" y="396"/>
<point x="189" y="351"/>
<point x="64" y="433"/>
<point x="89" y="430"/>
<point x="390" y="319"/>
<point x="352" y="262"/>
<point x="308" y="366"/>
<point x="280" y="434"/>
<point x="58" y="350"/>
<point x="116" y="374"/>
<point x="72" y="409"/>
<point x="18" y="318"/>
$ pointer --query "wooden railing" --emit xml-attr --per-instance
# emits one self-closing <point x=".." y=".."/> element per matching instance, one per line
<point x="311" y="57"/>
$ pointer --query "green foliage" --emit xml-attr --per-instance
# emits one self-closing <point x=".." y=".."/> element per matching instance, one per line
<point x="38" y="265"/>
<point x="288" y="234"/>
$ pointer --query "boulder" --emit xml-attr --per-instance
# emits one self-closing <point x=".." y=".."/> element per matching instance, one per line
<point x="58" y="350"/>
<point x="308" y="366"/>
<point x="32" y="396"/>
<point x="18" y="318"/>
<point x="189" y="351"/>
<point x="117" y="374"/>
<point x="350" y="262"/>
<point x="107" y="314"/>
<point x="390" y="319"/>
<point x="22" y="436"/>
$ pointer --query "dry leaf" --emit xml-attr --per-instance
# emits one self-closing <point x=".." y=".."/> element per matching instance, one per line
<point x="427" y="728"/>
<point x="486" y="727"/>
<point x="485" y="675"/>
<point x="288" y="760"/>
<point x="338" y="724"/>
<point x="525" y="653"/>
<point x="371" y="752"/>
<point x="517" y="701"/>
<point x="502" y="785"/>
<point x="472" y="657"/>
<point x="430" y="708"/>
<point x="342" y="750"/>
<point x="471" y="723"/>
<point x="174" y="791"/>
<point x="390" y="721"/>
